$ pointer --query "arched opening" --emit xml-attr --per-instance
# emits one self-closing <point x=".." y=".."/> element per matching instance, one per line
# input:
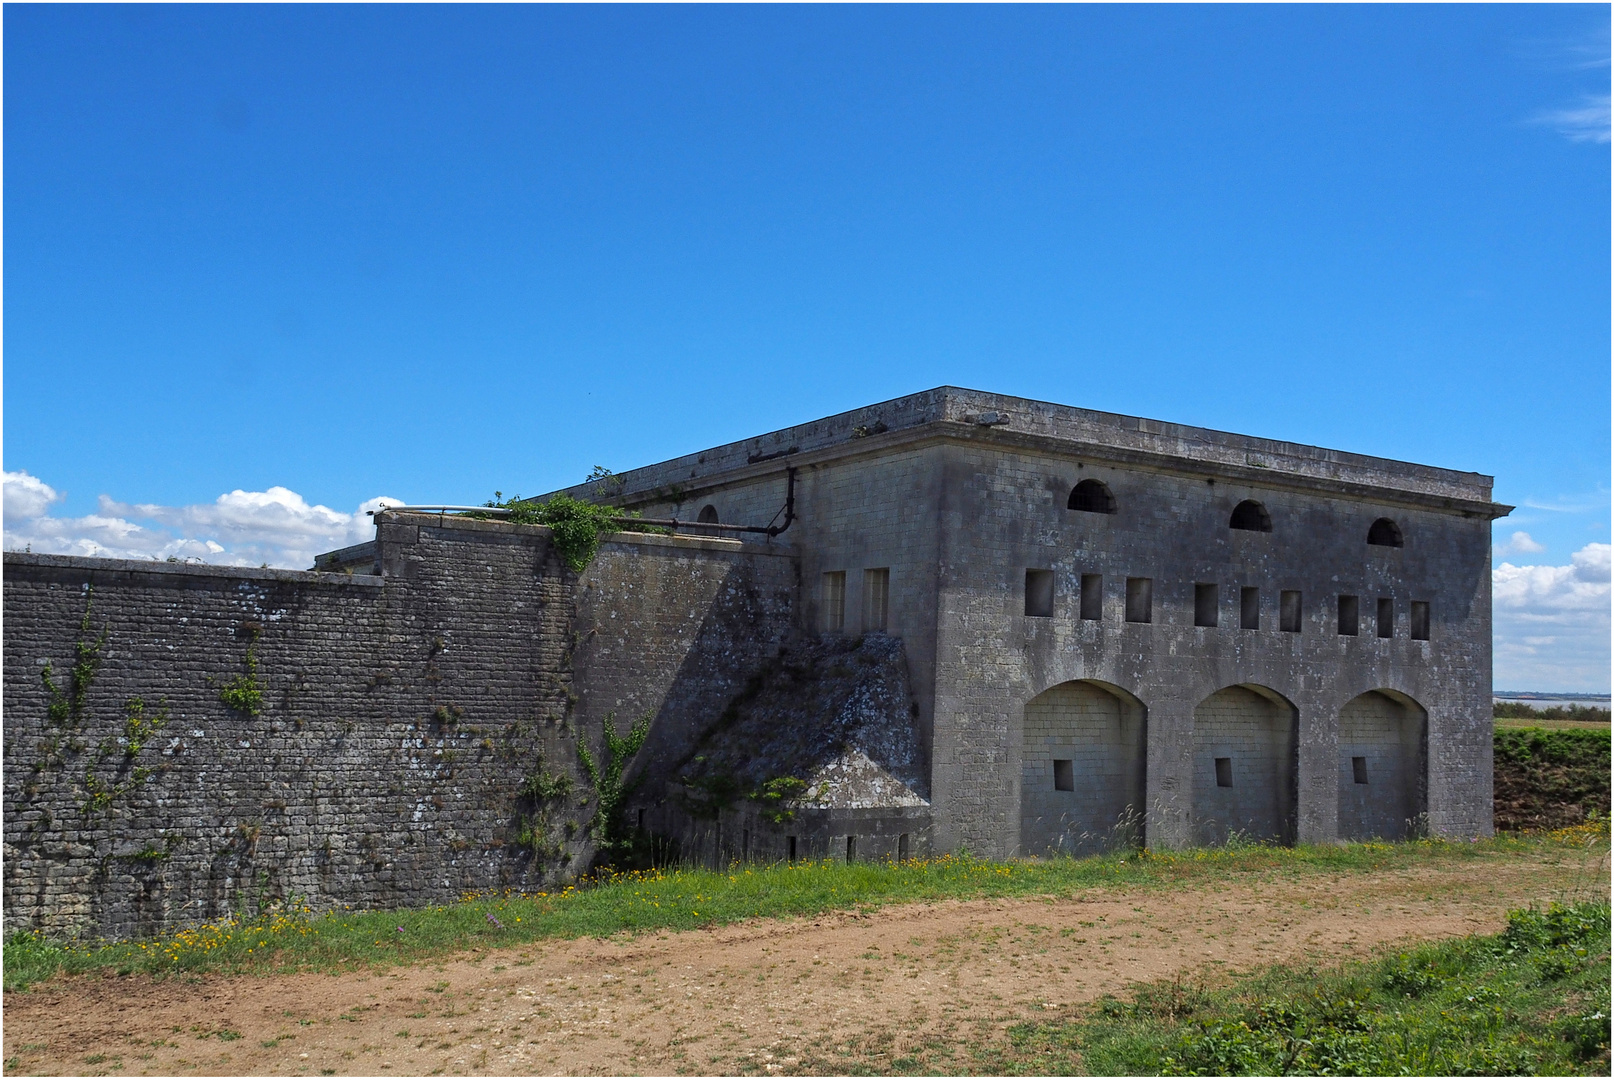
<point x="1384" y="533"/>
<point x="1081" y="784"/>
<point x="1250" y="516"/>
<point x="708" y="515"/>
<point x="1245" y="742"/>
<point x="1383" y="760"/>
<point x="1092" y="497"/>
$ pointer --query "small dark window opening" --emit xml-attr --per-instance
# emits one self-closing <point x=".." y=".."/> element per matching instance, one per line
<point x="1420" y="620"/>
<point x="1359" y="769"/>
<point x="1289" y="611"/>
<point x="1224" y="772"/>
<point x="1384" y="533"/>
<point x="1205" y="604"/>
<point x="790" y="848"/>
<point x="1039" y="593"/>
<point x="1250" y="608"/>
<point x="641" y="819"/>
<point x="1250" y="516"/>
<point x="708" y="515"/>
<point x="1348" y="615"/>
<point x="1386" y="617"/>
<point x="851" y="848"/>
<point x="902" y="847"/>
<point x="1092" y="597"/>
<point x="1092" y="497"/>
<point x="1139" y="599"/>
<point x="1064" y="775"/>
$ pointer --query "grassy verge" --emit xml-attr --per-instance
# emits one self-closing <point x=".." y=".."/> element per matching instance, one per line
<point x="1533" y="1000"/>
<point x="296" y="940"/>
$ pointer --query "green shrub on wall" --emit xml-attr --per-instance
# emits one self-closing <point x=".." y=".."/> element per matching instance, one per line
<point x="577" y="524"/>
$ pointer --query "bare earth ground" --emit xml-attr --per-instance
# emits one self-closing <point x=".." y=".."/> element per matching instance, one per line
<point x="763" y="997"/>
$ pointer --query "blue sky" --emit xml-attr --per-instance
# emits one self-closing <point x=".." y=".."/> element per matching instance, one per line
<point x="428" y="252"/>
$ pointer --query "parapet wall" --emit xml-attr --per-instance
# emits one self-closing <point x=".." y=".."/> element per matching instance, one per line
<point x="400" y="715"/>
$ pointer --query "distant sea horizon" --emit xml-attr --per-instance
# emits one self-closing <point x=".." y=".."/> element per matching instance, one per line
<point x="1548" y="697"/>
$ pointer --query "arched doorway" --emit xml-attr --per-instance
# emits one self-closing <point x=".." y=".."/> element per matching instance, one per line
<point x="1081" y="784"/>
<point x="1382" y="766"/>
<point x="1245" y="742"/>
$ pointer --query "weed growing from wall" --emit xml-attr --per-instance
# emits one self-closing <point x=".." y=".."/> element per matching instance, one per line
<point x="66" y="710"/>
<point x="139" y="726"/>
<point x="244" y="693"/>
<point x="609" y="790"/>
<point x="577" y="525"/>
<point x="774" y="796"/>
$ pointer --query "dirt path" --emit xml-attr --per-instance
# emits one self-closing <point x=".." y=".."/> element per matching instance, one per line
<point x="763" y="997"/>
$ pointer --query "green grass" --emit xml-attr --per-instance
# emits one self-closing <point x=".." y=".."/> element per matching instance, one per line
<point x="296" y="940"/>
<point x="1533" y="1000"/>
<point x="1550" y="778"/>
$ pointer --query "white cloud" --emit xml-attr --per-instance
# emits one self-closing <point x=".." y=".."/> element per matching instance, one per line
<point x="1521" y="543"/>
<point x="1587" y="122"/>
<point x="1551" y="623"/>
<point x="26" y="496"/>
<point x="242" y="528"/>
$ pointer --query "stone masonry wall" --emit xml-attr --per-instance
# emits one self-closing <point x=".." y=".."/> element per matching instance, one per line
<point x="400" y="716"/>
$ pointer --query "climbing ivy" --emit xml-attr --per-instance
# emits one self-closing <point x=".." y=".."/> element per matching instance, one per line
<point x="139" y="726"/>
<point x="66" y="709"/>
<point x="609" y="790"/>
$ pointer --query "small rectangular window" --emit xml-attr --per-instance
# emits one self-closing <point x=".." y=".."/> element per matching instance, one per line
<point x="851" y="848"/>
<point x="1064" y="775"/>
<point x="1139" y="599"/>
<point x="1420" y="620"/>
<point x="876" y="598"/>
<point x="1224" y="772"/>
<point x="1347" y="615"/>
<point x="1205" y="604"/>
<point x="790" y="848"/>
<point x="1289" y="611"/>
<point x="1359" y="769"/>
<point x="835" y="602"/>
<point x="1092" y="597"/>
<point x="1386" y="617"/>
<point x="1039" y="593"/>
<point x="1250" y="608"/>
<point x="902" y="847"/>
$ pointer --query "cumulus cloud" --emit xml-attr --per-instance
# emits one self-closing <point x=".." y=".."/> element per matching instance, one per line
<point x="1551" y="623"/>
<point x="241" y="528"/>
<point x="1521" y="543"/>
<point x="1586" y="122"/>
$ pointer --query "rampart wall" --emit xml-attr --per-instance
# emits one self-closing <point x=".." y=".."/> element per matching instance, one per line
<point x="400" y="715"/>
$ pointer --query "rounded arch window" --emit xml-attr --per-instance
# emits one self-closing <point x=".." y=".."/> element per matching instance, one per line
<point x="708" y="515"/>
<point x="1092" y="497"/>
<point x="1250" y="516"/>
<point x="1384" y="533"/>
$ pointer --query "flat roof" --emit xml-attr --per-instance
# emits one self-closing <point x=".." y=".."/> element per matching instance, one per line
<point x="954" y="413"/>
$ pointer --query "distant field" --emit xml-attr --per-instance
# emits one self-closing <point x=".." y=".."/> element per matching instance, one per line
<point x="1517" y="714"/>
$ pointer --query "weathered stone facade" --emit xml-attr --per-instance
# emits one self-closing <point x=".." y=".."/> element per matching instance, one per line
<point x="967" y="501"/>
<point x="401" y="714"/>
<point x="992" y="624"/>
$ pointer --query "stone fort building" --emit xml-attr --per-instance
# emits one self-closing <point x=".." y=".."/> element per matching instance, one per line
<point x="952" y="621"/>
